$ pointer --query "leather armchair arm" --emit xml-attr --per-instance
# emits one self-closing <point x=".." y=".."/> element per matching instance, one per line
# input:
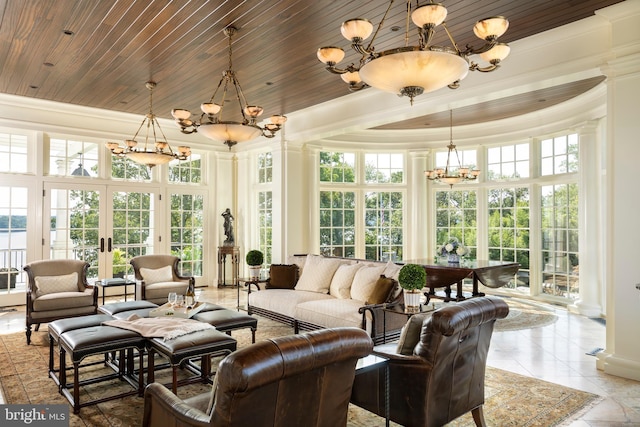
<point x="389" y="351"/>
<point x="161" y="405"/>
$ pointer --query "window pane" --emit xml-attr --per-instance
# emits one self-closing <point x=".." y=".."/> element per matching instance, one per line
<point x="560" y="272"/>
<point x="13" y="152"/>
<point x="337" y="224"/>
<point x="186" y="171"/>
<point x="337" y="167"/>
<point x="384" y="168"/>
<point x="187" y="231"/>
<point x="559" y="155"/>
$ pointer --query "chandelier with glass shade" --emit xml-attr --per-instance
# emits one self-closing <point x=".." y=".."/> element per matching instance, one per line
<point x="452" y="174"/>
<point x="211" y="122"/>
<point x="154" y="152"/>
<point x="412" y="70"/>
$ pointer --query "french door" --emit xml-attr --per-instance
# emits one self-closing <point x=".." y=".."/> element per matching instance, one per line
<point x="103" y="225"/>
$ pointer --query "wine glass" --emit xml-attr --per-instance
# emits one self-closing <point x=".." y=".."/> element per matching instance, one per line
<point x="173" y="297"/>
<point x="179" y="300"/>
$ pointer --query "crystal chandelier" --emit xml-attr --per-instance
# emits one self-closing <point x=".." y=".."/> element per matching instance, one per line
<point x="151" y="154"/>
<point x="211" y="123"/>
<point x="413" y="70"/>
<point x="452" y="175"/>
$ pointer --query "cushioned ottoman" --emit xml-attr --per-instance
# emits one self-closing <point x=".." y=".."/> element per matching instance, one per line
<point x="88" y="341"/>
<point x="202" y="344"/>
<point x="58" y="327"/>
<point x="226" y="320"/>
<point x="122" y="310"/>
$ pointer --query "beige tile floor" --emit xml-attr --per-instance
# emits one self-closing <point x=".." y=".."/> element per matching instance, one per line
<point x="555" y="353"/>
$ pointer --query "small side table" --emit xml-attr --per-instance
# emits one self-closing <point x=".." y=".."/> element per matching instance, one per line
<point x="234" y="252"/>
<point x="372" y="362"/>
<point x="246" y="282"/>
<point x="109" y="283"/>
<point x="398" y="310"/>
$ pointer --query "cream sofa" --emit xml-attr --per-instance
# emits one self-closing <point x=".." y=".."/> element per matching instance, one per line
<point x="334" y="292"/>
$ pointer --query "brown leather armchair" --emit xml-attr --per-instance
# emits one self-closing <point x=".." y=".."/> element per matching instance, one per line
<point x="296" y="380"/>
<point x="157" y="276"/>
<point x="58" y="289"/>
<point x="444" y="377"/>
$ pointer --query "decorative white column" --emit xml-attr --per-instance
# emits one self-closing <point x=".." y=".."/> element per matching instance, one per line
<point x="589" y="302"/>
<point x="290" y="202"/>
<point x="622" y="354"/>
<point x="417" y="212"/>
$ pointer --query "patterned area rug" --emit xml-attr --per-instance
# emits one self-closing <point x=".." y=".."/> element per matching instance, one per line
<point x="511" y="399"/>
<point x="525" y="315"/>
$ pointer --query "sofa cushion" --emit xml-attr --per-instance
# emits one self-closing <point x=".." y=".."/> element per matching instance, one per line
<point x="365" y="281"/>
<point x="330" y="313"/>
<point x="64" y="300"/>
<point x="317" y="274"/>
<point x="56" y="284"/>
<point x="156" y="275"/>
<point x="282" y="276"/>
<point x="410" y="334"/>
<point x="343" y="277"/>
<point x="161" y="290"/>
<point x="284" y="301"/>
<point x="381" y="291"/>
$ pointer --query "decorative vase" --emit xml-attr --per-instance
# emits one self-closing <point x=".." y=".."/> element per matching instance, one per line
<point x="254" y="272"/>
<point x="412" y="301"/>
<point x="453" y="258"/>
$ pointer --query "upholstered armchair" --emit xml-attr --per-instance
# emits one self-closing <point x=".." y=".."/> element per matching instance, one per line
<point x="57" y="289"/>
<point x="436" y="371"/>
<point x="157" y="276"/>
<point x="296" y="380"/>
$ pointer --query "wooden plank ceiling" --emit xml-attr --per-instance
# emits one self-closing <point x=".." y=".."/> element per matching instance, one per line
<point x="100" y="53"/>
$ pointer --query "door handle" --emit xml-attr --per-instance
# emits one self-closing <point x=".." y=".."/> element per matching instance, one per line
<point x="109" y="244"/>
<point x="102" y="244"/>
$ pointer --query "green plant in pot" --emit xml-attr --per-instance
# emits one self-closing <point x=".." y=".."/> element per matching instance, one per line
<point x="412" y="279"/>
<point x="254" y="259"/>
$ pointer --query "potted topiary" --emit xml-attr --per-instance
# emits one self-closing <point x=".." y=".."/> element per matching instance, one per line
<point x="254" y="259"/>
<point x="412" y="279"/>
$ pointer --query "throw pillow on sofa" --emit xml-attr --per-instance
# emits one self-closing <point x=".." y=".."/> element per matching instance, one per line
<point x="317" y="274"/>
<point x="282" y="276"/>
<point x="382" y="290"/>
<point x="365" y="281"/>
<point x="342" y="279"/>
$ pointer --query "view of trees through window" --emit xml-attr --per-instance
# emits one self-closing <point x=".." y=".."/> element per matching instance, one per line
<point x="509" y="232"/>
<point x="383" y="225"/>
<point x="559" y="211"/>
<point x="265" y="224"/>
<point x="380" y="215"/>
<point x="456" y="217"/>
<point x="338" y="223"/>
<point x="265" y="207"/>
<point x="187" y="229"/>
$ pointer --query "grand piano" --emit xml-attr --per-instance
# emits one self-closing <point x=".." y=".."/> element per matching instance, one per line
<point x="442" y="274"/>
